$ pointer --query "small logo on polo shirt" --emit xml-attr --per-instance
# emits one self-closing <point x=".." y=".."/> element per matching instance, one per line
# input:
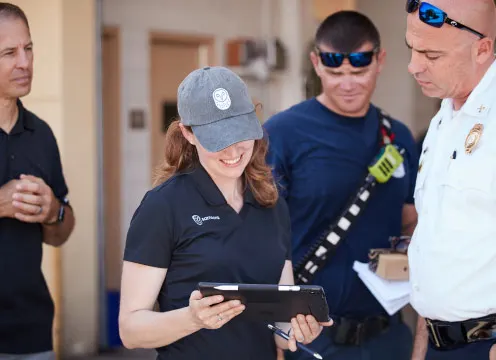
<point x="200" y="220"/>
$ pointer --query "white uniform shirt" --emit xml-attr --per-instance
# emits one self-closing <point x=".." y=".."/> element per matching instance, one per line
<point x="453" y="250"/>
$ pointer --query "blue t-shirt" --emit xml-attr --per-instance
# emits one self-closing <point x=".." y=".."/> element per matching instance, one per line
<point x="319" y="159"/>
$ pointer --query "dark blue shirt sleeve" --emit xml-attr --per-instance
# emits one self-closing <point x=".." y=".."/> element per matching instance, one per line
<point x="150" y="238"/>
<point x="286" y="228"/>
<point x="276" y="160"/>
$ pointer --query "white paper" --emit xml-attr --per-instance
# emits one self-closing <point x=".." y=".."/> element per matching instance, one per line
<point x="392" y="295"/>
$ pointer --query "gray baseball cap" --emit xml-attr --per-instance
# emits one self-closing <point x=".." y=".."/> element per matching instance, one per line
<point x="215" y="102"/>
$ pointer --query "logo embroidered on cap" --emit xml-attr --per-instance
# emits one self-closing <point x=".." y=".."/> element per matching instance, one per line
<point x="222" y="99"/>
<point x="199" y="220"/>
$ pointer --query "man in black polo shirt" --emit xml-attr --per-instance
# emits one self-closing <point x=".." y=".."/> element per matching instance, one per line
<point x="33" y="204"/>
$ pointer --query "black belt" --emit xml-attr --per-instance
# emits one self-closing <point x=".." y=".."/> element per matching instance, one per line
<point x="445" y="335"/>
<point x="353" y="332"/>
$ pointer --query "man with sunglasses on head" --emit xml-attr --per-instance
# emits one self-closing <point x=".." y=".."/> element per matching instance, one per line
<point x="321" y="150"/>
<point x="453" y="251"/>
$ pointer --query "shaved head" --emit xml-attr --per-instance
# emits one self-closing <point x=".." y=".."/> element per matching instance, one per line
<point x="480" y="15"/>
<point x="449" y="62"/>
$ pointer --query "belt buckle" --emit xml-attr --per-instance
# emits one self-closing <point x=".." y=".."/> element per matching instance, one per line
<point x="481" y="330"/>
<point x="433" y="332"/>
<point x="459" y="333"/>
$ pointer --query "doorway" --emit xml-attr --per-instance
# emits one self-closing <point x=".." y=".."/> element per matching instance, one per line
<point x="172" y="58"/>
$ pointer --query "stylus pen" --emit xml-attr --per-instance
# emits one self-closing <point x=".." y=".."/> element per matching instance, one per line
<point x="282" y="334"/>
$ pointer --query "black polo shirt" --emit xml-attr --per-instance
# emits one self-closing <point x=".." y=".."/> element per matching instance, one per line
<point x="26" y="308"/>
<point x="186" y="226"/>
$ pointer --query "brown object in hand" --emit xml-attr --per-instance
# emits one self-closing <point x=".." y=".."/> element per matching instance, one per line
<point x="388" y="264"/>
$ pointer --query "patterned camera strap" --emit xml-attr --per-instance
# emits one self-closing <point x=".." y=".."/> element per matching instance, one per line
<point x="327" y="244"/>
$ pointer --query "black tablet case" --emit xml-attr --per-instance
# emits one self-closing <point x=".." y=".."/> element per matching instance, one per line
<point x="273" y="303"/>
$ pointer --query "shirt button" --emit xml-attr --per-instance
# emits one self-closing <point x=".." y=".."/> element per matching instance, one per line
<point x="12" y="157"/>
<point x="416" y="287"/>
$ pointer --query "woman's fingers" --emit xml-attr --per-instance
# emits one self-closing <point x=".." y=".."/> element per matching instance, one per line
<point x="224" y="307"/>
<point x="208" y="301"/>
<point x="195" y="295"/>
<point x="224" y="317"/>
<point x="305" y="329"/>
<point x="314" y="325"/>
<point x="212" y="312"/>
<point x="292" y="343"/>
<point x="297" y="333"/>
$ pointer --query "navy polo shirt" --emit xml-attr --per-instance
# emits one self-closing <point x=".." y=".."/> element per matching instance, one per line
<point x="186" y="226"/>
<point x="26" y="308"/>
<point x="319" y="159"/>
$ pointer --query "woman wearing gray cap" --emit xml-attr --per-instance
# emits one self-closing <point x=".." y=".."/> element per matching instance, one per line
<point x="215" y="216"/>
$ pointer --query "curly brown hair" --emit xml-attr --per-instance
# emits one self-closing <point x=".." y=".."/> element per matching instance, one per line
<point x="181" y="156"/>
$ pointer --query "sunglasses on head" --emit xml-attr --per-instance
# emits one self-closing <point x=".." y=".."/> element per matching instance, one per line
<point x="356" y="59"/>
<point x="434" y="16"/>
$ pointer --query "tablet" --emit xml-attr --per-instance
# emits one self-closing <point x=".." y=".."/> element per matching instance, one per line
<point x="272" y="303"/>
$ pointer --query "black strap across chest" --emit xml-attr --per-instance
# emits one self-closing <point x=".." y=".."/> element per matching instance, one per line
<point x="322" y="250"/>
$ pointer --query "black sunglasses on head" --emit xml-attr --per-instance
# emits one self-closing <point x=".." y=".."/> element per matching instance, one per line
<point x="356" y="59"/>
<point x="434" y="16"/>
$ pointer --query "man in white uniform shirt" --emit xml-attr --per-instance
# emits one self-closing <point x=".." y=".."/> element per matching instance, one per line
<point x="453" y="251"/>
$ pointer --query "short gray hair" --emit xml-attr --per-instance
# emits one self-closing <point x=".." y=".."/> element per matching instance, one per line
<point x="8" y="10"/>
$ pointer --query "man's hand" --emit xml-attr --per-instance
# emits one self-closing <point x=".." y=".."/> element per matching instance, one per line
<point x="34" y="201"/>
<point x="7" y="209"/>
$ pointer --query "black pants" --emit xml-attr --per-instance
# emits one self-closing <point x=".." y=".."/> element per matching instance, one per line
<point x="394" y="344"/>
<point x="475" y="351"/>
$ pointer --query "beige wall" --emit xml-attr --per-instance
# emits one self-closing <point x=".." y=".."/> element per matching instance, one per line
<point x="63" y="94"/>
<point x="323" y="8"/>
<point x="80" y="256"/>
